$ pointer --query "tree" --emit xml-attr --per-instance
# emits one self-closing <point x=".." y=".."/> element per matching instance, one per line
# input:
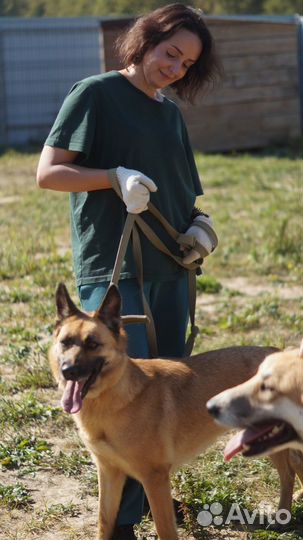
<point x="13" y="7"/>
<point x="65" y="8"/>
<point x="283" y="7"/>
<point x="251" y="7"/>
<point x="239" y="6"/>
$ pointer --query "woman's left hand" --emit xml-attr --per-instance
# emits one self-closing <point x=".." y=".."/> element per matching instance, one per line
<point x="203" y="232"/>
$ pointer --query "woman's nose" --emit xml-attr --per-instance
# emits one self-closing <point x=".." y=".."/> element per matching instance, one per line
<point x="175" y="68"/>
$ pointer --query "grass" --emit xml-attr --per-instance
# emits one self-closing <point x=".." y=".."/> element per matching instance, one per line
<point x="208" y="285"/>
<point x="23" y="451"/>
<point x="255" y="201"/>
<point x="15" y="496"/>
<point x="249" y="294"/>
<point x="26" y="410"/>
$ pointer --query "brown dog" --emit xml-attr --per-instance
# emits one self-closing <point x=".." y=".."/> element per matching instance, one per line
<point x="269" y="407"/>
<point x="142" y="418"/>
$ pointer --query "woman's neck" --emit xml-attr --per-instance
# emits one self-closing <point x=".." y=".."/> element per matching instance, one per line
<point x="136" y="77"/>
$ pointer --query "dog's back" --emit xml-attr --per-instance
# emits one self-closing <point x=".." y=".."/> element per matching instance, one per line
<point x="161" y="404"/>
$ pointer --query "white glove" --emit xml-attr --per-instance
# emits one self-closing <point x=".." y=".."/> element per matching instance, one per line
<point x="135" y="188"/>
<point x="206" y="237"/>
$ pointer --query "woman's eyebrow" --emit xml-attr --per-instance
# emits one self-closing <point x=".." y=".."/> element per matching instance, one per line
<point x="179" y="51"/>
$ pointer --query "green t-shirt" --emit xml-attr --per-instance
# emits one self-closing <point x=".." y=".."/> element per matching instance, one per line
<point x="111" y="123"/>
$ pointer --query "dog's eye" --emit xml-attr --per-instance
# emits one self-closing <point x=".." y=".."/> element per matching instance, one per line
<point x="91" y="344"/>
<point x="266" y="388"/>
<point x="67" y="342"/>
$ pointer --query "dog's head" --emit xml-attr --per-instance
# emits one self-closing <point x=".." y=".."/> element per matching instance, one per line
<point x="269" y="406"/>
<point x="88" y="348"/>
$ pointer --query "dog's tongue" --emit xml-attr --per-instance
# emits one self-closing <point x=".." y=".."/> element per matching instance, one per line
<point x="236" y="444"/>
<point x="71" y="400"/>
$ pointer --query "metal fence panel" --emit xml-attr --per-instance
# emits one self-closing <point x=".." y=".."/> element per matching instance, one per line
<point x="40" y="59"/>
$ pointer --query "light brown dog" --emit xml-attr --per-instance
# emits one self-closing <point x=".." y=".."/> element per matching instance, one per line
<point x="142" y="418"/>
<point x="269" y="406"/>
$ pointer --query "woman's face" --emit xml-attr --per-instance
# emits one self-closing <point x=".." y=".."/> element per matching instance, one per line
<point x="169" y="60"/>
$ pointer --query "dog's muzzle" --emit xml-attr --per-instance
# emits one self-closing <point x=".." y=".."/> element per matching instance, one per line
<point x="79" y="379"/>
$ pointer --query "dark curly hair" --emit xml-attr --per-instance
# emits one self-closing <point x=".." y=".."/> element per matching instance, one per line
<point x="151" y="29"/>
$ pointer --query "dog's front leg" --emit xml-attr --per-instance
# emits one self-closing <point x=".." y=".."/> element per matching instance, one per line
<point x="296" y="462"/>
<point x="111" y="482"/>
<point x="158" y="491"/>
<point x="281" y="461"/>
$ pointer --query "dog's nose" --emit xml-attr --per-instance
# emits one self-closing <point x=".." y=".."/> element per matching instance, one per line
<point x="213" y="408"/>
<point x="70" y="372"/>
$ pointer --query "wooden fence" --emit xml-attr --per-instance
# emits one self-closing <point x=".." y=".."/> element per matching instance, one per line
<point x="258" y="102"/>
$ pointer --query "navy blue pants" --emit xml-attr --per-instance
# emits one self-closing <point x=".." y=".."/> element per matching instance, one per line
<point x="168" y="302"/>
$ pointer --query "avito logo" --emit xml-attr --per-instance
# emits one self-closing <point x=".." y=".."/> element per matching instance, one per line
<point x="212" y="515"/>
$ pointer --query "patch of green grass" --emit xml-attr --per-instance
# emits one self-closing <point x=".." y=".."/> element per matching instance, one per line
<point x="273" y="535"/>
<point x="255" y="203"/>
<point x="15" y="296"/>
<point x="36" y="375"/>
<point x="89" y="483"/>
<point x="5" y="388"/>
<point x="240" y="482"/>
<point x="73" y="464"/>
<point x="27" y="410"/>
<point x="208" y="285"/>
<point x="62" y="510"/>
<point x="32" y="369"/>
<point x="197" y="490"/>
<point x="52" y="514"/>
<point x="21" y="452"/>
<point x="251" y="316"/>
<point x="265" y="535"/>
<point x="15" y="496"/>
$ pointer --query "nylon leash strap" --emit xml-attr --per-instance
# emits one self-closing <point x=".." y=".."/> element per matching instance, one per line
<point x="132" y="223"/>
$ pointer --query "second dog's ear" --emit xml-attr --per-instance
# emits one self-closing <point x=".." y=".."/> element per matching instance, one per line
<point x="65" y="305"/>
<point x="110" y="310"/>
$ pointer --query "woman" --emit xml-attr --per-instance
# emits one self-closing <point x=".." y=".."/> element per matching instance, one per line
<point x="120" y="123"/>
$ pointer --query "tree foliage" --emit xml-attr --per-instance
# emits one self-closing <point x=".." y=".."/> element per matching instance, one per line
<point x="65" y="8"/>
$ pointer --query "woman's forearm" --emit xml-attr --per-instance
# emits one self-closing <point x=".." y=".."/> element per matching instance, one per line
<point x="56" y="170"/>
<point x="72" y="178"/>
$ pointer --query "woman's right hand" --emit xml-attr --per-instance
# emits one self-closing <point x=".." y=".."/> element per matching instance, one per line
<point x="57" y="170"/>
<point x="135" y="188"/>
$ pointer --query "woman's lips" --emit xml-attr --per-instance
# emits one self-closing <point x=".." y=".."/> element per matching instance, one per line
<point x="167" y="77"/>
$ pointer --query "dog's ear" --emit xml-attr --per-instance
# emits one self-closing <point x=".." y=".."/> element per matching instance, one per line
<point x="65" y="305"/>
<point x="110" y="310"/>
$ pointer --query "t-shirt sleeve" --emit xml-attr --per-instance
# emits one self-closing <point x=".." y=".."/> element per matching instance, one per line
<point x="74" y="126"/>
<point x="191" y="160"/>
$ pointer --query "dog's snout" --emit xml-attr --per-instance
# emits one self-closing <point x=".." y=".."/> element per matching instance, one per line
<point x="241" y="407"/>
<point x="213" y="408"/>
<point x="70" y="372"/>
<point x="238" y="406"/>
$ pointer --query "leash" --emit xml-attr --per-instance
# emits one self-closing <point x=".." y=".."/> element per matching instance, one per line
<point x="147" y="318"/>
<point x="132" y="224"/>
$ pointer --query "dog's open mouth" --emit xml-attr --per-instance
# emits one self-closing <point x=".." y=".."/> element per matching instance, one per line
<point x="75" y="391"/>
<point x="259" y="439"/>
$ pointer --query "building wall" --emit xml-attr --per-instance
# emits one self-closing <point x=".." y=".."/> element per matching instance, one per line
<point x="258" y="103"/>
